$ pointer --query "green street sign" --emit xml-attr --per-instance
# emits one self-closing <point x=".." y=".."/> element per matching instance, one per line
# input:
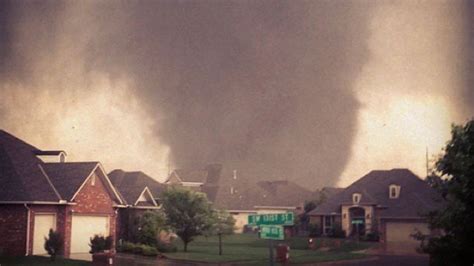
<point x="274" y="232"/>
<point x="272" y="219"/>
<point x="357" y="222"/>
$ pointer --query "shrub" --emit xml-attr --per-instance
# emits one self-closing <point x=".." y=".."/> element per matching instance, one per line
<point x="337" y="231"/>
<point x="166" y="247"/>
<point x="100" y="243"/>
<point x="149" y="251"/>
<point x="145" y="228"/>
<point x="313" y="230"/>
<point x="139" y="249"/>
<point x="372" y="236"/>
<point x="127" y="247"/>
<point x="53" y="243"/>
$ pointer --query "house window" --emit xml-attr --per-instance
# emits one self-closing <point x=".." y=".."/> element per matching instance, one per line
<point x="327" y="225"/>
<point x="356" y="198"/>
<point x="394" y="191"/>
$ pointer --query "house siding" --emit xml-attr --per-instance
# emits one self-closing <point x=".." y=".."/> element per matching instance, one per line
<point x="13" y="226"/>
<point x="91" y="200"/>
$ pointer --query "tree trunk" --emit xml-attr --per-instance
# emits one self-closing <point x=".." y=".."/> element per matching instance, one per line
<point x="185" y="246"/>
<point x="220" y="244"/>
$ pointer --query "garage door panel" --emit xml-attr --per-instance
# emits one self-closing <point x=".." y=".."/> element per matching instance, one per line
<point x="402" y="231"/>
<point x="43" y="223"/>
<point x="399" y="239"/>
<point x="85" y="227"/>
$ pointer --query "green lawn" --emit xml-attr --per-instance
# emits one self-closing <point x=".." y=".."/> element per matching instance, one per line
<point x="249" y="249"/>
<point x="37" y="260"/>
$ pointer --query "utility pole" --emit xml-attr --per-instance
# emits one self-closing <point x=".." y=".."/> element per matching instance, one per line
<point x="427" y="163"/>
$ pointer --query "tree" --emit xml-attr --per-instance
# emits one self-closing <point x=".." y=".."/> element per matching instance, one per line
<point x="147" y="227"/>
<point x="222" y="224"/>
<point x="53" y="243"/>
<point x="309" y="205"/>
<point x="188" y="213"/>
<point x="454" y="179"/>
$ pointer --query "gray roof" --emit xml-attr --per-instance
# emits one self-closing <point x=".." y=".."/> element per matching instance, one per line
<point x="23" y="179"/>
<point x="416" y="196"/>
<point x="131" y="184"/>
<point x="246" y="195"/>
<point x="20" y="174"/>
<point x="68" y="177"/>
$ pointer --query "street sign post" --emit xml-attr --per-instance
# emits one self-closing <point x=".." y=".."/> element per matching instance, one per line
<point x="271" y="227"/>
<point x="274" y="232"/>
<point x="272" y="219"/>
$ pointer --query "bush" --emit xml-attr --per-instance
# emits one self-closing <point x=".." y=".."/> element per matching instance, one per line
<point x="139" y="249"/>
<point x="53" y="243"/>
<point x="100" y="243"/>
<point x="166" y="247"/>
<point x="126" y="247"/>
<point x="145" y="228"/>
<point x="337" y="231"/>
<point x="371" y="236"/>
<point x="149" y="251"/>
<point x="313" y="230"/>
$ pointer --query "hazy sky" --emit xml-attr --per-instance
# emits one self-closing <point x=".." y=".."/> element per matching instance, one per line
<point x="319" y="92"/>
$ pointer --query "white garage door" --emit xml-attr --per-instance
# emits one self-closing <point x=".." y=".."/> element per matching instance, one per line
<point x="399" y="238"/>
<point x="85" y="227"/>
<point x="43" y="222"/>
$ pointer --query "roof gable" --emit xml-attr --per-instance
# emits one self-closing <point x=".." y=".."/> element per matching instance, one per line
<point x="145" y="198"/>
<point x="132" y="184"/>
<point x="68" y="177"/>
<point x="99" y="172"/>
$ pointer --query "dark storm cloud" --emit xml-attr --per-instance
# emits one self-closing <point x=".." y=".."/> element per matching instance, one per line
<point x="265" y="87"/>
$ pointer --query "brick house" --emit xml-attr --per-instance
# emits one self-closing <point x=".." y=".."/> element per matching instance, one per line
<point x="40" y="191"/>
<point x="140" y="193"/>
<point x="391" y="203"/>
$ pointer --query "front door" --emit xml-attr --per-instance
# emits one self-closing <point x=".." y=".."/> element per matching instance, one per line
<point x="357" y="218"/>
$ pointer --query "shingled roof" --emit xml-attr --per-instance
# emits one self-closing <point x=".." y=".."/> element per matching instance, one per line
<point x="68" y="177"/>
<point x="416" y="196"/>
<point x="26" y="178"/>
<point x="244" y="195"/>
<point x="21" y="177"/>
<point x="131" y="184"/>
